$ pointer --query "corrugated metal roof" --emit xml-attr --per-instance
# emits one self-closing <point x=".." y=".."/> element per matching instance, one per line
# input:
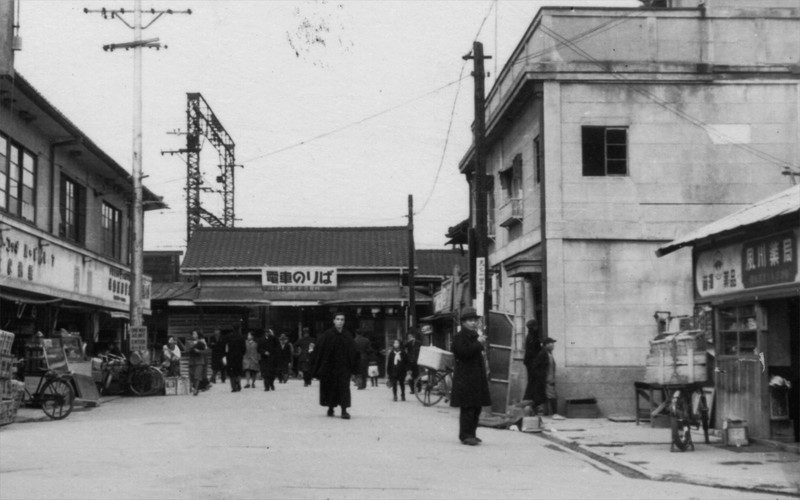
<point x="783" y="203"/>
<point x="250" y="248"/>
<point x="173" y="290"/>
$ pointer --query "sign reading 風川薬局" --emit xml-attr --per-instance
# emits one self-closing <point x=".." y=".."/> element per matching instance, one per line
<point x="298" y="278"/>
<point x="757" y="263"/>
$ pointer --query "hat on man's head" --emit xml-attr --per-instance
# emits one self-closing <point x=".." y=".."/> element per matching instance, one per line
<point x="469" y="313"/>
<point x="548" y="340"/>
<point x="532" y="323"/>
<point x="283" y="337"/>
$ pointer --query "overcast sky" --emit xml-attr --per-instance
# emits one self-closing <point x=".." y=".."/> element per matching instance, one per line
<point x="333" y="134"/>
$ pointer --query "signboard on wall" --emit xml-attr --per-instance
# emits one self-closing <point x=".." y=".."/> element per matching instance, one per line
<point x="138" y="338"/>
<point x="757" y="263"/>
<point x="299" y="278"/>
<point x="33" y="263"/>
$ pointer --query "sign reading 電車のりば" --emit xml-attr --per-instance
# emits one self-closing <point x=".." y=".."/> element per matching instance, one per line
<point x="298" y="278"/>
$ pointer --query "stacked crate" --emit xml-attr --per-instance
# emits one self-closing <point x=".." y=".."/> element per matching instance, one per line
<point x="10" y="389"/>
<point x="678" y="358"/>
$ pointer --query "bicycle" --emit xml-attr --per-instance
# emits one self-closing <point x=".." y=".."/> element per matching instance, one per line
<point x="432" y="385"/>
<point x="688" y="408"/>
<point x="139" y="377"/>
<point x="54" y="394"/>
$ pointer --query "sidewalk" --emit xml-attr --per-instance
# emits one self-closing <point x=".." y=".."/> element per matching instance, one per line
<point x="642" y="449"/>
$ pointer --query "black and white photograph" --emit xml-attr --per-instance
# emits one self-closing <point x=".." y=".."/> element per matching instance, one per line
<point x="362" y="249"/>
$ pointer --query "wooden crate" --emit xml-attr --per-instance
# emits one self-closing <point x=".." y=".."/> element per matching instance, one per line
<point x="433" y="357"/>
<point x="665" y="370"/>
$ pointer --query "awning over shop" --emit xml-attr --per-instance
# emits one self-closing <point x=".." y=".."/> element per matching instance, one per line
<point x="784" y="203"/>
<point x="231" y="295"/>
<point x="437" y="316"/>
<point x="354" y="295"/>
<point x="525" y="263"/>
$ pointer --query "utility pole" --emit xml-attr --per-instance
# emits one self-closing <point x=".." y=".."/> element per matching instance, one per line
<point x="412" y="302"/>
<point x="136" y="307"/>
<point x="482" y="291"/>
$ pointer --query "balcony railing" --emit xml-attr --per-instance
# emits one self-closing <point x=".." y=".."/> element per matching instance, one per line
<point x="510" y="213"/>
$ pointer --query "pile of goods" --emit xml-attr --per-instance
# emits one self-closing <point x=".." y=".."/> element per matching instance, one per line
<point x="677" y="358"/>
<point x="11" y="390"/>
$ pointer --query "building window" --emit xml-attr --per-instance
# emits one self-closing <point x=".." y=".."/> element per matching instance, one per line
<point x="511" y="179"/>
<point x="73" y="210"/>
<point x="17" y="180"/>
<point x="538" y="158"/>
<point x="112" y="231"/>
<point x="605" y="151"/>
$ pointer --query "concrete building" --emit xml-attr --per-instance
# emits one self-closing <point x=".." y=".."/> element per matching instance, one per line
<point x="65" y="212"/>
<point x="610" y="132"/>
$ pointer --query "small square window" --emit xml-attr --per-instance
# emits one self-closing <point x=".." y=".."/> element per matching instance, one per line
<point x="605" y="151"/>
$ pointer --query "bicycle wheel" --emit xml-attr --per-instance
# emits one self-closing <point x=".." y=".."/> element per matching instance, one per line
<point x="57" y="399"/>
<point x="422" y="388"/>
<point x="679" y="424"/>
<point x="141" y="382"/>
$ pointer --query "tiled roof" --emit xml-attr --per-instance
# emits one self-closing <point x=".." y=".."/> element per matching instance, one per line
<point x="175" y="290"/>
<point x="440" y="262"/>
<point x="365" y="247"/>
<point x="784" y="203"/>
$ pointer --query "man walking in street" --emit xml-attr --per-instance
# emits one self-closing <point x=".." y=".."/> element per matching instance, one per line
<point x="363" y="347"/>
<point x="532" y="348"/>
<point x="412" y="346"/>
<point x="544" y="376"/>
<point x="470" y="384"/>
<point x="335" y="360"/>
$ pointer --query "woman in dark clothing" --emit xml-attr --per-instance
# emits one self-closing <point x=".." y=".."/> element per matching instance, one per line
<point x="235" y="348"/>
<point x="470" y="384"/>
<point x="396" y="366"/>
<point x="196" y="361"/>
<point x="335" y="360"/>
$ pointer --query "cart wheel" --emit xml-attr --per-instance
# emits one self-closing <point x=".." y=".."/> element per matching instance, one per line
<point x="679" y="424"/>
<point x="57" y="399"/>
<point x="141" y="382"/>
<point x="429" y="387"/>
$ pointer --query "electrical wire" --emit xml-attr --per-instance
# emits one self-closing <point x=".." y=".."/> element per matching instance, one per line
<point x="682" y="114"/>
<point x="353" y="124"/>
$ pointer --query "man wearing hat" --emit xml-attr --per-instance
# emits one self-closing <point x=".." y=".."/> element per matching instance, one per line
<point x="470" y="385"/>
<point x="544" y="380"/>
<point x="532" y="348"/>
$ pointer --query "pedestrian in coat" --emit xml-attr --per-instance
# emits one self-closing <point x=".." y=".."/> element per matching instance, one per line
<point x="268" y="350"/>
<point x="284" y="358"/>
<point x="532" y="348"/>
<point x="396" y="367"/>
<point x="363" y="347"/>
<point x="470" y="384"/>
<point x="250" y="362"/>
<point x="235" y="348"/>
<point x="196" y="361"/>
<point x="544" y="374"/>
<point x="412" y="350"/>
<point x="305" y="347"/>
<point x="335" y="360"/>
<point x="217" y="356"/>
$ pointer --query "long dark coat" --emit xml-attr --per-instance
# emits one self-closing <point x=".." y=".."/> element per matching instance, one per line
<point x="470" y="385"/>
<point x="335" y="359"/>
<point x="539" y="369"/>
<point x="532" y="348"/>
<point x="269" y="348"/>
<point x="236" y="347"/>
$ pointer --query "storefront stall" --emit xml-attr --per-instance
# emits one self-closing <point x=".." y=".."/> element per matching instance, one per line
<point x="746" y="278"/>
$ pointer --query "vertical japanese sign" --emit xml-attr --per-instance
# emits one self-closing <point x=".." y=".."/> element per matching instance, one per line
<point x="138" y="338"/>
<point x="298" y="278"/>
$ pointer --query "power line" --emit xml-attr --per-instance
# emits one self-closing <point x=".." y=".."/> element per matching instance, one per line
<point x="353" y="124"/>
<point x="682" y="114"/>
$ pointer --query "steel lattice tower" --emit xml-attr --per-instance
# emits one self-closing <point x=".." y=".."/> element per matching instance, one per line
<point x="201" y="122"/>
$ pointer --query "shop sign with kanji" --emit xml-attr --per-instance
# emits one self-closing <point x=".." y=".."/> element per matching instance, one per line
<point x="734" y="268"/>
<point x="770" y="261"/>
<point x="298" y="278"/>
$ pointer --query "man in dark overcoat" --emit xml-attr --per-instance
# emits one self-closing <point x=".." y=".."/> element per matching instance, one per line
<point x="335" y="360"/>
<point x="544" y="380"/>
<point x="470" y="384"/>
<point x="268" y="348"/>
<point x="364" y="348"/>
<point x="411" y="347"/>
<point x="532" y="347"/>
<point x="235" y="347"/>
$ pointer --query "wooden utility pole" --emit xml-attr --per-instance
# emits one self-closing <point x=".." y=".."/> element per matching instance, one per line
<point x="137" y="233"/>
<point x="482" y="291"/>
<point x="412" y="302"/>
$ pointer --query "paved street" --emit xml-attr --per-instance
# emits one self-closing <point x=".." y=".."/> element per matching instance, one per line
<point x="253" y="444"/>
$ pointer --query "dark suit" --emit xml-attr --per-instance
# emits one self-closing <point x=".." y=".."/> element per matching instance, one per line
<point x="470" y="385"/>
<point x="396" y="367"/>
<point x="335" y="360"/>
